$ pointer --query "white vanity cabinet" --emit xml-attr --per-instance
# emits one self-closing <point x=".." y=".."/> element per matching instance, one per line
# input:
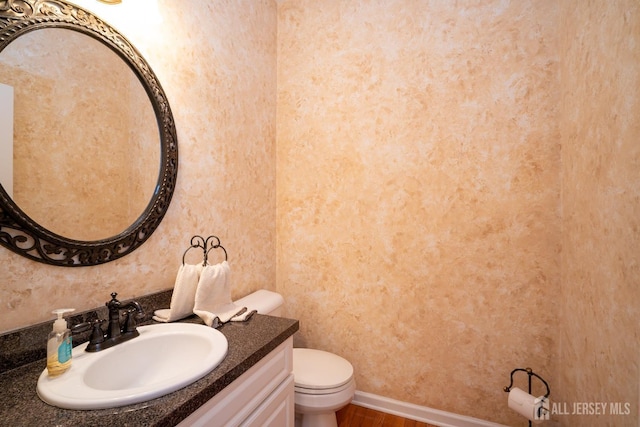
<point x="262" y="396"/>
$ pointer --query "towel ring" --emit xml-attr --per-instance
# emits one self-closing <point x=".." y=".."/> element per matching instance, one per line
<point x="196" y="242"/>
<point x="202" y="243"/>
<point x="217" y="245"/>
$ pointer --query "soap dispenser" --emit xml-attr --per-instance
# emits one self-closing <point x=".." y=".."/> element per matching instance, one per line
<point x="59" y="345"/>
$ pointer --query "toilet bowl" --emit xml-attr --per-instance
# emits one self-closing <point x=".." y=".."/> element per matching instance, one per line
<point x="324" y="381"/>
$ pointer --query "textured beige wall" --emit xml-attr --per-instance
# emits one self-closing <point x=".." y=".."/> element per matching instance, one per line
<point x="216" y="62"/>
<point x="600" y="297"/>
<point x="418" y="192"/>
<point x="418" y="181"/>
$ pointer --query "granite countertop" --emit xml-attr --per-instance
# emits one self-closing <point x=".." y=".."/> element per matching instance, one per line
<point x="248" y="341"/>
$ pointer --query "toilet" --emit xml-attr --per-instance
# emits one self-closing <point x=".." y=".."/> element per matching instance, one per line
<point x="324" y="382"/>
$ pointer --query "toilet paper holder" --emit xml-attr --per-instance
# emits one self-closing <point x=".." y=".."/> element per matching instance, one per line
<point x="530" y="374"/>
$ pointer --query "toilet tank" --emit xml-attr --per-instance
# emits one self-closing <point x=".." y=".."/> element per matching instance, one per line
<point x="265" y="302"/>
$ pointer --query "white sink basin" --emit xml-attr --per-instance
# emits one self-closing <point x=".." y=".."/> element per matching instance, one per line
<point x="164" y="358"/>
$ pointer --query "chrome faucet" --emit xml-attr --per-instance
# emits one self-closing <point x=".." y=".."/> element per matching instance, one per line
<point x="115" y="334"/>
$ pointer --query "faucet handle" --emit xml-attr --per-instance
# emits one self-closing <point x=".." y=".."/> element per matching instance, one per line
<point x="133" y="312"/>
<point x="97" y="336"/>
<point x="130" y="323"/>
<point x="96" y="325"/>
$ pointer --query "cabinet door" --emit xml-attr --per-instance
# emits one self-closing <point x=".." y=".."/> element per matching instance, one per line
<point x="240" y="399"/>
<point x="277" y="410"/>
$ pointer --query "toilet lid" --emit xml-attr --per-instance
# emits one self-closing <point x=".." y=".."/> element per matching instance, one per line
<point x="317" y="369"/>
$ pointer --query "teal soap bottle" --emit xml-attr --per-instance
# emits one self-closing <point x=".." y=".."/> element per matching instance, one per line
<point x="59" y="345"/>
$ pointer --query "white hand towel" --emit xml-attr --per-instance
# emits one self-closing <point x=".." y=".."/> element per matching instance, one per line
<point x="213" y="297"/>
<point x="244" y="315"/>
<point x="184" y="295"/>
<point x="227" y="313"/>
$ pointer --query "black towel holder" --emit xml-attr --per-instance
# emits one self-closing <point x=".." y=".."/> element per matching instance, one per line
<point x="206" y="245"/>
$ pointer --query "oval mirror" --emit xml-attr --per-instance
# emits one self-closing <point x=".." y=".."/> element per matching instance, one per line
<point x="94" y="143"/>
<point x="83" y="125"/>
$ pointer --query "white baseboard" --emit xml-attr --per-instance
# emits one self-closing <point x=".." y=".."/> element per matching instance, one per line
<point x="418" y="413"/>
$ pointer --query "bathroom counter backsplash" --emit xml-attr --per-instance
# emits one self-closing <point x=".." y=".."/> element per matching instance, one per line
<point x="29" y="344"/>
<point x="23" y="355"/>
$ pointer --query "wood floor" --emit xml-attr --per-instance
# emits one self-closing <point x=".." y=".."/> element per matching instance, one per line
<point x="359" y="416"/>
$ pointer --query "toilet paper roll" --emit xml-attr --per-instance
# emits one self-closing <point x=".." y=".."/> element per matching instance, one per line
<point x="527" y="405"/>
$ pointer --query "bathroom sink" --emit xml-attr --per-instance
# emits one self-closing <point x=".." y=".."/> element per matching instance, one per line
<point x="164" y="358"/>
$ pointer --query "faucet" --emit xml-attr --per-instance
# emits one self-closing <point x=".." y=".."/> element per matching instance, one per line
<point x="115" y="334"/>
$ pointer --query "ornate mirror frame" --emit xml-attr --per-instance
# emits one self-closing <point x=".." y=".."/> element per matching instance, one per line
<point x="20" y="233"/>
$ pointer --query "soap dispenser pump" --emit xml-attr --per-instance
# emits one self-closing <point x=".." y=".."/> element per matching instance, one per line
<point x="59" y="345"/>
